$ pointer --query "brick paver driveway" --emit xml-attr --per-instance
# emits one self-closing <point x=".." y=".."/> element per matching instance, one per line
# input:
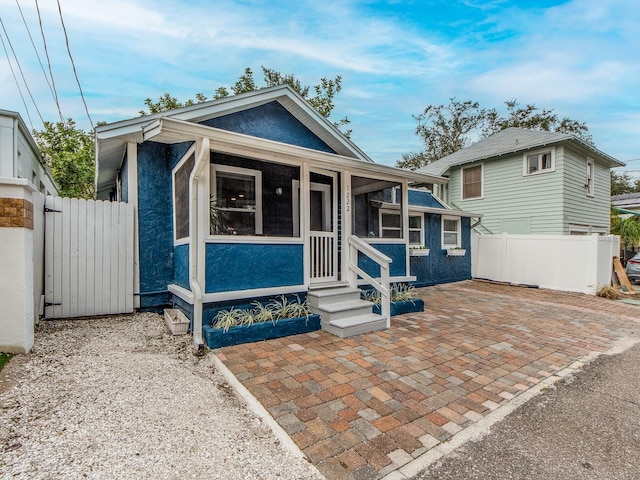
<point x="363" y="407"/>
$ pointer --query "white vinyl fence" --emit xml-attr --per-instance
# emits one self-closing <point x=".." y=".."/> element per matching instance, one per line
<point x="88" y="257"/>
<point x="574" y="263"/>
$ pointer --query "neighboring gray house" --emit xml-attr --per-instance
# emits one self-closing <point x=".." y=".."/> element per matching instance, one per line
<point x="20" y="156"/>
<point x="627" y="204"/>
<point x="530" y="182"/>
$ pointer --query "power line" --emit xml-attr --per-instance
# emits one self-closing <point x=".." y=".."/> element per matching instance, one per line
<point x="16" y="80"/>
<point x="46" y="52"/>
<point x="40" y="61"/>
<point x="20" y="68"/>
<point x="75" y="73"/>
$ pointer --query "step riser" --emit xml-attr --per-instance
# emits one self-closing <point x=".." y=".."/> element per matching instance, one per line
<point x="319" y="302"/>
<point x="355" y="330"/>
<point x="330" y="316"/>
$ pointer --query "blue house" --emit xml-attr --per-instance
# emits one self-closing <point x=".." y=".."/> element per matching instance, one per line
<point x="257" y="195"/>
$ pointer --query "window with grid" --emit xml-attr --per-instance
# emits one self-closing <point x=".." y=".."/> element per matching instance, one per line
<point x="450" y="232"/>
<point x="416" y="232"/>
<point x="539" y="162"/>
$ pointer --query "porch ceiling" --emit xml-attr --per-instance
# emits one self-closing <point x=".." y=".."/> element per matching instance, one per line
<point x="170" y="130"/>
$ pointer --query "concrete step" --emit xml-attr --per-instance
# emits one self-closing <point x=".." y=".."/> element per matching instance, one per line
<point x="326" y="296"/>
<point x="348" y="308"/>
<point x="348" y="327"/>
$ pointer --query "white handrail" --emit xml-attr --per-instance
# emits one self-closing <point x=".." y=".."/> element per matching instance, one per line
<point x="357" y="245"/>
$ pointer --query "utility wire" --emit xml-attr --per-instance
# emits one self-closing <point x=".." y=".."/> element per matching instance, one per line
<point x="75" y="73"/>
<point x="40" y="61"/>
<point x="46" y="52"/>
<point x="20" y="68"/>
<point x="16" y="80"/>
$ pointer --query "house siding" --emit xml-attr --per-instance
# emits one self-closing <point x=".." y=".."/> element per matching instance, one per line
<point x="272" y="122"/>
<point x="579" y="208"/>
<point x="513" y="199"/>
<point x="437" y="267"/>
<point x="242" y="266"/>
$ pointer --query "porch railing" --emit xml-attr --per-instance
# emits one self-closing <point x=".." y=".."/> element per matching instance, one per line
<point x="357" y="246"/>
<point x="323" y="259"/>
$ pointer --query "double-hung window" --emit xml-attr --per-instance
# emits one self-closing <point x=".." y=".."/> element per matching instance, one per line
<point x="539" y="162"/>
<point x="390" y="224"/>
<point x="472" y="182"/>
<point x="416" y="232"/>
<point x="450" y="232"/>
<point x="591" y="171"/>
<point x="236" y="201"/>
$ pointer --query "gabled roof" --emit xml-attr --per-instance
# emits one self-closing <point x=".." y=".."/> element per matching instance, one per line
<point x="509" y="141"/>
<point x="626" y="200"/>
<point x="111" y="139"/>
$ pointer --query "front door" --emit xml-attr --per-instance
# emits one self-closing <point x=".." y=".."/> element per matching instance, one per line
<point x="323" y="227"/>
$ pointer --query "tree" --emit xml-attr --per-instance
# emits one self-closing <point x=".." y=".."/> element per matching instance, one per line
<point x="621" y="183"/>
<point x="70" y="154"/>
<point x="445" y="129"/>
<point x="320" y="96"/>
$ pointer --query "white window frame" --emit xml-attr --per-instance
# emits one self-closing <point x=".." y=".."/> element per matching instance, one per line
<point x="458" y="233"/>
<point x="421" y="229"/>
<point x="384" y="211"/>
<point x="257" y="175"/>
<point x="591" y="173"/>
<point x="462" y="197"/>
<point x="174" y="171"/>
<point x="525" y="162"/>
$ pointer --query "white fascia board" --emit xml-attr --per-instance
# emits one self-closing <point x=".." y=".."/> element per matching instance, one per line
<point x="450" y="212"/>
<point x="170" y="130"/>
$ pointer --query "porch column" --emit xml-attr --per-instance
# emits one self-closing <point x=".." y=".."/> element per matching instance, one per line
<point x="405" y="224"/>
<point x="347" y="222"/>
<point x="305" y="200"/>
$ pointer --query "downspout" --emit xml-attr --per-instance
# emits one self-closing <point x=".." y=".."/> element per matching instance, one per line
<point x="196" y="237"/>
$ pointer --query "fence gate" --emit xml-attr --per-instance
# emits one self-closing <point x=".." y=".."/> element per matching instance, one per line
<point x="88" y="257"/>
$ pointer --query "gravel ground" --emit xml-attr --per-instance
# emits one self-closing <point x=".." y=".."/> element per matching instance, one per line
<point x="120" y="397"/>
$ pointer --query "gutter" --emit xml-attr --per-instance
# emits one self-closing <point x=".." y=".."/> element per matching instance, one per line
<point x="196" y="235"/>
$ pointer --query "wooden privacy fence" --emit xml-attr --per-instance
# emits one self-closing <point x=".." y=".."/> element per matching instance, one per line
<point x="88" y="257"/>
<point x="575" y="263"/>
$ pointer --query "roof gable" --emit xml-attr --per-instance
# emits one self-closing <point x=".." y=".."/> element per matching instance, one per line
<point x="270" y="121"/>
<point x="509" y="141"/>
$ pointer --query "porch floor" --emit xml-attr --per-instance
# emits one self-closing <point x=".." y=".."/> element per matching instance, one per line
<point x="367" y="406"/>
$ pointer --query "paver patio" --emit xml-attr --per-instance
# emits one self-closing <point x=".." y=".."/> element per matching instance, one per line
<point x="360" y="408"/>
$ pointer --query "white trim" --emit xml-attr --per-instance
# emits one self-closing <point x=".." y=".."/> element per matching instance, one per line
<point x="257" y="175"/>
<point x="330" y="214"/>
<point x="420" y="215"/>
<point x="188" y="296"/>
<point x="444" y="245"/>
<point x="174" y="170"/>
<point x="132" y="194"/>
<point x="257" y="240"/>
<point x="462" y="197"/>
<point x="381" y="228"/>
<point x="399" y="279"/>
<point x="591" y="177"/>
<point x="525" y="161"/>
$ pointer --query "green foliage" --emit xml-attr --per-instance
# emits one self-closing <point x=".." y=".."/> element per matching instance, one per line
<point x="277" y="309"/>
<point x="623" y="183"/>
<point x="321" y="99"/>
<point x="398" y="292"/>
<point x="4" y="359"/>
<point x="628" y="229"/>
<point x="445" y="129"/>
<point x="70" y="154"/>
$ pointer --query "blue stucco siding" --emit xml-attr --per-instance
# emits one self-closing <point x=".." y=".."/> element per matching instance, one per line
<point x="181" y="265"/>
<point x="272" y="122"/>
<point x="397" y="253"/>
<point x="437" y="267"/>
<point x="245" y="266"/>
<point x="422" y="198"/>
<point x="155" y="224"/>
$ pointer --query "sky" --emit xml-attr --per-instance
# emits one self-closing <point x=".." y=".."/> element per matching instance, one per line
<point x="579" y="57"/>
